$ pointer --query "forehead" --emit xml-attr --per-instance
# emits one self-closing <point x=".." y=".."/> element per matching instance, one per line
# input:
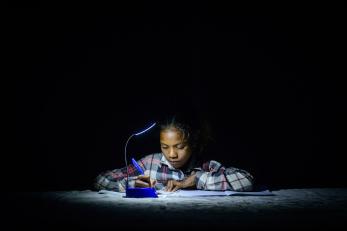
<point x="171" y="135"/>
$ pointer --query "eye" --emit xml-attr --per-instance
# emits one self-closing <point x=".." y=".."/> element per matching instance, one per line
<point x="164" y="147"/>
<point x="181" y="147"/>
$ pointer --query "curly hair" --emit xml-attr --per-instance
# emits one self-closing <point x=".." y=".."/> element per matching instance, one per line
<point x="194" y="129"/>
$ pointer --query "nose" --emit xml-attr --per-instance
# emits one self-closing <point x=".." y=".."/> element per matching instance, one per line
<point x="172" y="153"/>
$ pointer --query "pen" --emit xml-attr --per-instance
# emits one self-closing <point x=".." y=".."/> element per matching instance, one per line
<point x="137" y="166"/>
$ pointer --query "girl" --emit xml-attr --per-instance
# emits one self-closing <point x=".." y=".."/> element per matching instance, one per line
<point x="179" y="165"/>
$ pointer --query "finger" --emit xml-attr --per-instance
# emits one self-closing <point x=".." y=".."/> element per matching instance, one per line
<point x="176" y="188"/>
<point x="141" y="184"/>
<point x="169" y="186"/>
<point x="173" y="183"/>
<point x="143" y="178"/>
<point x="153" y="182"/>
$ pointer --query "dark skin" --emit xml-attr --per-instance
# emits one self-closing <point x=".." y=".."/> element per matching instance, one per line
<point x="144" y="181"/>
<point x="177" y="151"/>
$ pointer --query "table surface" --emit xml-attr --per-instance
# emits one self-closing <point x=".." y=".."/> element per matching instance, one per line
<point x="287" y="209"/>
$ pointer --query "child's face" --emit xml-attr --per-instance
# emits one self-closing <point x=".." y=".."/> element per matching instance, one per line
<point x="175" y="149"/>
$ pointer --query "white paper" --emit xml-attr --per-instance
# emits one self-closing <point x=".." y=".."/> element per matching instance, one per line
<point x="200" y="193"/>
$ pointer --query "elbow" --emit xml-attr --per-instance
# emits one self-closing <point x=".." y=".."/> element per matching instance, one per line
<point x="97" y="184"/>
<point x="240" y="181"/>
<point x="101" y="183"/>
<point x="246" y="185"/>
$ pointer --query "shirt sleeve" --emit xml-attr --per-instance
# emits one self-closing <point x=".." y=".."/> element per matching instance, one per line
<point x="115" y="180"/>
<point x="216" y="177"/>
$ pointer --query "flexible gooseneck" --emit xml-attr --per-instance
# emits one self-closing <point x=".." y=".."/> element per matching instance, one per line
<point x="125" y="158"/>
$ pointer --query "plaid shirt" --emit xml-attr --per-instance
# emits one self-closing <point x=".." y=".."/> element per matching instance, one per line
<point x="210" y="176"/>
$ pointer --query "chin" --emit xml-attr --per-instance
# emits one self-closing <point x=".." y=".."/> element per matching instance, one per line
<point x="180" y="165"/>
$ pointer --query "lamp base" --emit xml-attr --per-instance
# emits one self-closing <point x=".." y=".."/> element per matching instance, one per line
<point x="140" y="193"/>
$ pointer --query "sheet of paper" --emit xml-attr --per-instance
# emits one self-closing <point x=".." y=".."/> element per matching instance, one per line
<point x="199" y="193"/>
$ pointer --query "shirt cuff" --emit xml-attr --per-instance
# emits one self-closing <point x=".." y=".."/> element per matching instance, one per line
<point x="131" y="182"/>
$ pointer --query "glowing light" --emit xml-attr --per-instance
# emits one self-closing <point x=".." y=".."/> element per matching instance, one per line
<point x="139" y="133"/>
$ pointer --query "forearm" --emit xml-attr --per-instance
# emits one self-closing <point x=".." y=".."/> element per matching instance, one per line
<point x="211" y="181"/>
<point x="224" y="179"/>
<point x="105" y="181"/>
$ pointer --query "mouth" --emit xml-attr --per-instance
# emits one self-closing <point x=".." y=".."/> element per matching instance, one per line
<point x="174" y="163"/>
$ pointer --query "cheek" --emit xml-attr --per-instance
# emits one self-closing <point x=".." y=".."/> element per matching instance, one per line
<point x="184" y="154"/>
<point x="164" y="151"/>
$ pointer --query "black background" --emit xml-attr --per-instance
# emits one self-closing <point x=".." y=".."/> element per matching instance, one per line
<point x="85" y="79"/>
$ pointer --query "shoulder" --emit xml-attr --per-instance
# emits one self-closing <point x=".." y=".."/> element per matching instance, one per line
<point x="154" y="158"/>
<point x="211" y="165"/>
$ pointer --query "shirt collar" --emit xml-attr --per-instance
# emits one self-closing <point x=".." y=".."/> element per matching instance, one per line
<point x="163" y="160"/>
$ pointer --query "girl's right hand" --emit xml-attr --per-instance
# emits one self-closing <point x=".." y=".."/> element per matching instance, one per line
<point x="143" y="181"/>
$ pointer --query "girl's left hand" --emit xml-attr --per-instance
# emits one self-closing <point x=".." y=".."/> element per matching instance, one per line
<point x="174" y="185"/>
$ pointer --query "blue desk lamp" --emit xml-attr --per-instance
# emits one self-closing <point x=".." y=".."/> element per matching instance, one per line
<point x="137" y="192"/>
